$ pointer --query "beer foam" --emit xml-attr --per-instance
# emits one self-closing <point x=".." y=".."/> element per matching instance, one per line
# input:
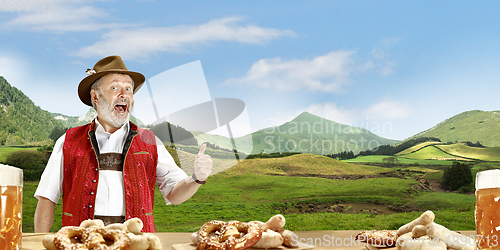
<point x="488" y="179"/>
<point x="10" y="176"/>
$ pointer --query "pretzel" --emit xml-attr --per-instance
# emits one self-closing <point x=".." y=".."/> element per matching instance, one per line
<point x="378" y="237"/>
<point x="228" y="235"/>
<point x="91" y="234"/>
<point x="97" y="238"/>
<point x="252" y="234"/>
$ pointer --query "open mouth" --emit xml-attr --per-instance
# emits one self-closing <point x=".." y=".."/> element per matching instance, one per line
<point x="121" y="108"/>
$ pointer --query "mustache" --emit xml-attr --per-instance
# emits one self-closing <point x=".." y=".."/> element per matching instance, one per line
<point x="121" y="101"/>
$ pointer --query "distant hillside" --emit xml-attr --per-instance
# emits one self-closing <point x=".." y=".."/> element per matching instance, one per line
<point x="302" y="165"/>
<point x="308" y="133"/>
<point x="75" y="121"/>
<point x="473" y="126"/>
<point x="21" y="120"/>
<point x="451" y="152"/>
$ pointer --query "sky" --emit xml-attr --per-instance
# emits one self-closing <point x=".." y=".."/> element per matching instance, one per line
<point x="395" y="68"/>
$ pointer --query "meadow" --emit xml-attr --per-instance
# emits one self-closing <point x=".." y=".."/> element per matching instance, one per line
<point x="258" y="197"/>
<point x="313" y="192"/>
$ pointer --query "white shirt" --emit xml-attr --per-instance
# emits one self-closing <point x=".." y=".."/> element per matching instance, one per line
<point x="110" y="199"/>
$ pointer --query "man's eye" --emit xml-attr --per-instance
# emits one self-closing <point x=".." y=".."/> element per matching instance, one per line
<point x="113" y="88"/>
<point x="128" y="89"/>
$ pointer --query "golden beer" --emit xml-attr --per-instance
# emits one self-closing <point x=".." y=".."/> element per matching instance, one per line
<point x="488" y="218"/>
<point x="487" y="211"/>
<point x="11" y="216"/>
<point x="11" y="203"/>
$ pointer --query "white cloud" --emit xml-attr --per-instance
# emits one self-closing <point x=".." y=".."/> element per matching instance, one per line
<point x="388" y="109"/>
<point x="65" y="16"/>
<point x="322" y="73"/>
<point x="142" y="42"/>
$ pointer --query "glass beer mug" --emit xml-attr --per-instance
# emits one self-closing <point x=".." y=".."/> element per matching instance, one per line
<point x="11" y="200"/>
<point x="488" y="209"/>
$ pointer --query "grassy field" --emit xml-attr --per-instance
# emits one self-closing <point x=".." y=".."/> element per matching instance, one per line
<point x="401" y="160"/>
<point x="432" y="153"/>
<point x="4" y="151"/>
<point x="259" y="188"/>
<point x="417" y="147"/>
<point x="258" y="197"/>
<point x="302" y="164"/>
<point x="483" y="154"/>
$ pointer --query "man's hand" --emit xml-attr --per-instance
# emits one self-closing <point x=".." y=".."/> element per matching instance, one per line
<point x="187" y="187"/>
<point x="202" y="165"/>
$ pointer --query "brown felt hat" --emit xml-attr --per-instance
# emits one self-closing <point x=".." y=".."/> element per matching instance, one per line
<point x="110" y="64"/>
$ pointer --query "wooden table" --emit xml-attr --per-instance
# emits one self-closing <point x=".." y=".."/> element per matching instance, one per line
<point x="342" y="240"/>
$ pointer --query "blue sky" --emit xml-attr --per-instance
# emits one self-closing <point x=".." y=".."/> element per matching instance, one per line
<point x="394" y="67"/>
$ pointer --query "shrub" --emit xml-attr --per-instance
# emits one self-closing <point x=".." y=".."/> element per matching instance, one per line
<point x="466" y="189"/>
<point x="456" y="176"/>
<point x="32" y="162"/>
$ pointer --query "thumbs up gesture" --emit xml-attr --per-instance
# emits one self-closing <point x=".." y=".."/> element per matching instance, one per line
<point x="202" y="165"/>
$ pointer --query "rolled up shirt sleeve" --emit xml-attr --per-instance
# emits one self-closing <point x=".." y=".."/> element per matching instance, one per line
<point x="50" y="185"/>
<point x="168" y="174"/>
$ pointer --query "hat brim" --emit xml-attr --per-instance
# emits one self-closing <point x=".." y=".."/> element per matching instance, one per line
<point x="86" y="84"/>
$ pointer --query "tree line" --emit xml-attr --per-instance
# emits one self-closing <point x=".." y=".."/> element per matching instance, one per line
<point x="22" y="121"/>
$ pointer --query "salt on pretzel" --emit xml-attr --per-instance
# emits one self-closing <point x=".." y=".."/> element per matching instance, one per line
<point x="228" y="235"/>
<point x="425" y="219"/>
<point x="453" y="239"/>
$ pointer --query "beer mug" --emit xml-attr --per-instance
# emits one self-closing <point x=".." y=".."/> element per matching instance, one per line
<point x="11" y="202"/>
<point x="487" y="212"/>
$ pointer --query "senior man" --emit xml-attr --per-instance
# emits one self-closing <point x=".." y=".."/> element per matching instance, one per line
<point x="108" y="168"/>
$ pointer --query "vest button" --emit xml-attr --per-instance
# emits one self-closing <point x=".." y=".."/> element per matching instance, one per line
<point x="94" y="181"/>
<point x="90" y="206"/>
<point x="91" y="193"/>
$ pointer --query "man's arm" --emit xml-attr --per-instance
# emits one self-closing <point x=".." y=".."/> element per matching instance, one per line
<point x="44" y="215"/>
<point x="188" y="187"/>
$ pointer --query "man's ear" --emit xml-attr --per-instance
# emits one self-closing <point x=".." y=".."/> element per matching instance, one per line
<point x="94" y="96"/>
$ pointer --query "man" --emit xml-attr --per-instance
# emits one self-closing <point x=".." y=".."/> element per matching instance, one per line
<point x="108" y="169"/>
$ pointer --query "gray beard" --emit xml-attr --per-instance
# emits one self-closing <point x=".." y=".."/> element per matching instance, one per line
<point x="106" y="111"/>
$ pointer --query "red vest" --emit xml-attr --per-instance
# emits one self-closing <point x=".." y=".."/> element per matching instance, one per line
<point x="81" y="175"/>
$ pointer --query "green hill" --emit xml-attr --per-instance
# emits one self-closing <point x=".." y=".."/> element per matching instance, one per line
<point x="451" y="152"/>
<point x="22" y="122"/>
<point x="475" y="125"/>
<point x="302" y="165"/>
<point x="308" y="133"/>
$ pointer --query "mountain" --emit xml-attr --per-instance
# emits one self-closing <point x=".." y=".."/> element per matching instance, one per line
<point x="75" y="121"/>
<point x="306" y="133"/>
<point x="473" y="126"/>
<point x="21" y="120"/>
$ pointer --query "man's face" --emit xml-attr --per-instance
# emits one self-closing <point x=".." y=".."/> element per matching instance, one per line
<point x="116" y="100"/>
